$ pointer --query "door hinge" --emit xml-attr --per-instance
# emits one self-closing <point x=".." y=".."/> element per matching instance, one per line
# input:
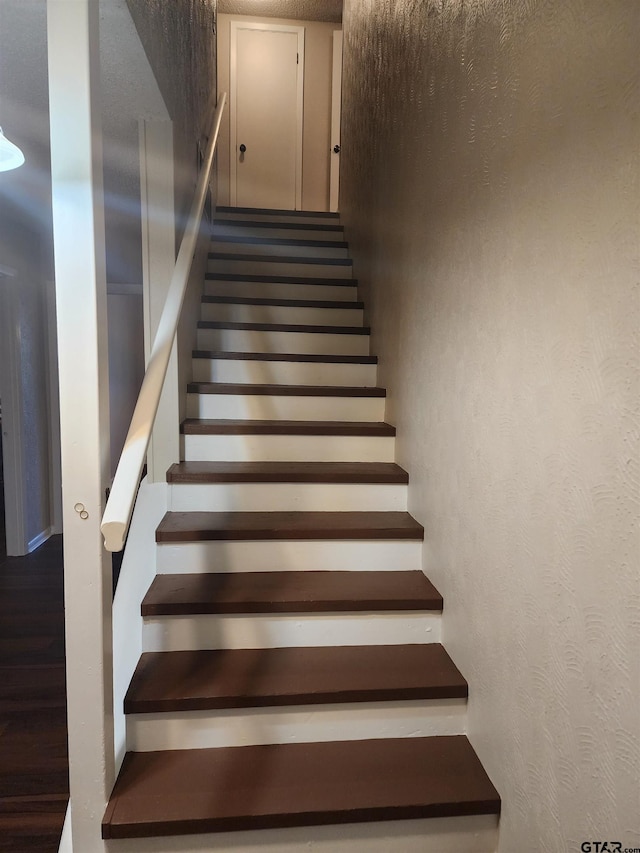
<point x="297" y="59"/>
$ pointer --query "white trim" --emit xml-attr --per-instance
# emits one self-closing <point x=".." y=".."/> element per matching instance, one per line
<point x="38" y="540"/>
<point x="137" y="572"/>
<point x="53" y="407"/>
<point x="81" y="307"/>
<point x="336" y="110"/>
<point x="300" y="117"/>
<point x="158" y="260"/>
<point x="117" y="513"/>
<point x="233" y="103"/>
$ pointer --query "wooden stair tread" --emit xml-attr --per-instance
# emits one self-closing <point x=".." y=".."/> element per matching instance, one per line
<point x="311" y="358"/>
<point x="211" y="426"/>
<point x="290" y="592"/>
<point x="286" y="472"/>
<point x="284" y="390"/>
<point x="283" y="303"/>
<point x="281" y="279"/>
<point x="279" y="241"/>
<point x="207" y="526"/>
<point x="284" y="327"/>
<point x="257" y="787"/>
<point x="280" y="259"/>
<point x="273" y="211"/>
<point x="288" y="226"/>
<point x="254" y="678"/>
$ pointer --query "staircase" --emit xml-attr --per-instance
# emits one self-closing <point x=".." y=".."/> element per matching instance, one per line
<point x="293" y="694"/>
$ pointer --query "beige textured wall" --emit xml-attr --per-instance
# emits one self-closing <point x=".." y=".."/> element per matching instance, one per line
<point x="316" y="135"/>
<point x="490" y="188"/>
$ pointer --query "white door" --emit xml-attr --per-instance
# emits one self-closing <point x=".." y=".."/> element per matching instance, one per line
<point x="336" y="107"/>
<point x="267" y="62"/>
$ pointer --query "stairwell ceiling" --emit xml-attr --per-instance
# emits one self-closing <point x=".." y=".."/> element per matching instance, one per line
<point x="303" y="10"/>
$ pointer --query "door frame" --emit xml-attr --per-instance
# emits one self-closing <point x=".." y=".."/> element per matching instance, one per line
<point x="233" y="103"/>
<point x="336" y="114"/>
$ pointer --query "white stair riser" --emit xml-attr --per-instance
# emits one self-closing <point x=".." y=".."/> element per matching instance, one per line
<point x="295" y="724"/>
<point x="284" y="497"/>
<point x="276" y="290"/>
<point x="221" y="230"/>
<point x="274" y="218"/>
<point x="474" y="834"/>
<point x="275" y="631"/>
<point x="257" y="372"/>
<point x="229" y="313"/>
<point x="286" y="250"/>
<point x="288" y="448"/>
<point x="278" y="556"/>
<point x="249" y="266"/>
<point x="246" y="340"/>
<point x="266" y="407"/>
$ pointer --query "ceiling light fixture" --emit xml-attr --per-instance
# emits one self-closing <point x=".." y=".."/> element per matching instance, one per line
<point x="10" y="155"/>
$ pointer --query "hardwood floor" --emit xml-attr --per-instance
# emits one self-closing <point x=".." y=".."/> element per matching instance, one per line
<point x="34" y="786"/>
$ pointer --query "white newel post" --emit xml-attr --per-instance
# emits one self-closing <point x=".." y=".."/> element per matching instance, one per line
<point x="79" y="241"/>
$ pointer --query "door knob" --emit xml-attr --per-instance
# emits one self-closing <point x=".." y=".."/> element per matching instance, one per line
<point x="336" y="149"/>
<point x="243" y="148"/>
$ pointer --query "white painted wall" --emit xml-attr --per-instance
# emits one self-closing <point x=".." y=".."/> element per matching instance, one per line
<point x="24" y="388"/>
<point x="25" y="238"/>
<point x="137" y="571"/>
<point x="317" y="107"/>
<point x="126" y="359"/>
<point x="129" y="92"/>
<point x="490" y="188"/>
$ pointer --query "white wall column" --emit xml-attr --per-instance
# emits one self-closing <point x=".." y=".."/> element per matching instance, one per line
<point x="158" y="261"/>
<point x="78" y="218"/>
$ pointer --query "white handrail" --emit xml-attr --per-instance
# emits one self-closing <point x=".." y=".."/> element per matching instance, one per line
<point x="119" y="508"/>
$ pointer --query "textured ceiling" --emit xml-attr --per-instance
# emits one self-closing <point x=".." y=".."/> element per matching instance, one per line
<point x="303" y="10"/>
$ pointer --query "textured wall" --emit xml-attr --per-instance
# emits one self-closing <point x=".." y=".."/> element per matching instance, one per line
<point x="490" y="188"/>
<point x="302" y="10"/>
<point x="179" y="39"/>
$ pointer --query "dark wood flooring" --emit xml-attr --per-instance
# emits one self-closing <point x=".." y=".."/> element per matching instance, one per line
<point x="34" y="786"/>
